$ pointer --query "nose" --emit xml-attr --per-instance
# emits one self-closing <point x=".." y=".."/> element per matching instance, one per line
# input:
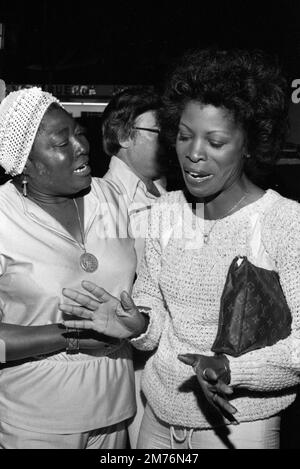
<point x="197" y="151"/>
<point x="81" y="145"/>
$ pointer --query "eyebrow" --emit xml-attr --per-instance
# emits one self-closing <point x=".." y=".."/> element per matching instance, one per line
<point x="210" y="132"/>
<point x="60" y="132"/>
<point x="185" y="125"/>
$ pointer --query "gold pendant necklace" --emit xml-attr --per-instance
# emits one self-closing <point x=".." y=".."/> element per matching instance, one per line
<point x="207" y="235"/>
<point x="88" y="262"/>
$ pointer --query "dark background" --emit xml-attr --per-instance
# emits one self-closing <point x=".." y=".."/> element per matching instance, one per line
<point x="133" y="42"/>
<point x="128" y="42"/>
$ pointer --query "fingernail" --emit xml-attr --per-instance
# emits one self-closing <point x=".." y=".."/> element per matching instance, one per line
<point x="185" y="359"/>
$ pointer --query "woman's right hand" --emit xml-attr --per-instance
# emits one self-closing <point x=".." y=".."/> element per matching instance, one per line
<point x="213" y="376"/>
<point x="104" y="313"/>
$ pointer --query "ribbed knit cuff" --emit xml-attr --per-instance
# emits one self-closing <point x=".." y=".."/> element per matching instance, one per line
<point x="266" y="369"/>
<point x="143" y="341"/>
<point x="243" y="372"/>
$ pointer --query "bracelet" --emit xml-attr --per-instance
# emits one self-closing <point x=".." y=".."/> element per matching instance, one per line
<point x="72" y="340"/>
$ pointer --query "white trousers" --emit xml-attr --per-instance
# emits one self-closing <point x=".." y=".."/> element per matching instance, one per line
<point x="135" y="423"/>
<point x="113" y="437"/>
<point x="260" y="434"/>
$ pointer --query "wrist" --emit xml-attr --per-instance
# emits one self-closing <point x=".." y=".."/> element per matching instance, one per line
<point x="225" y="374"/>
<point x="72" y="337"/>
<point x="143" y="323"/>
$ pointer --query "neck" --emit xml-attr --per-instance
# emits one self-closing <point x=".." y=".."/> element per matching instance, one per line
<point x="225" y="201"/>
<point x="151" y="187"/>
<point x="41" y="197"/>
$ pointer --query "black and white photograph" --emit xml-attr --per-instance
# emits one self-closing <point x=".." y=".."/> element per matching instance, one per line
<point x="149" y="227"/>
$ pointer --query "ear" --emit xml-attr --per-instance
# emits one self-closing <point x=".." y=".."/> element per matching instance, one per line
<point x="125" y="140"/>
<point x="125" y="143"/>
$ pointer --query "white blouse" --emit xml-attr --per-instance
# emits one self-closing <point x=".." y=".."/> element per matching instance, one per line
<point x="38" y="257"/>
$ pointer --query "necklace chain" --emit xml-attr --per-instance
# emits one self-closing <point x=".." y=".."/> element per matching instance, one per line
<point x="80" y="226"/>
<point x="78" y="216"/>
<point x="207" y="235"/>
<point x="88" y="262"/>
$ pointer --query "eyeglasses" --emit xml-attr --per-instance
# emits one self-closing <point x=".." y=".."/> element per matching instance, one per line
<point x="155" y="131"/>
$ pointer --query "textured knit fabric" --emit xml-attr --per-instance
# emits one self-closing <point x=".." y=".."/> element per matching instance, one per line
<point x="21" y="113"/>
<point x="183" y="287"/>
<point x="62" y="393"/>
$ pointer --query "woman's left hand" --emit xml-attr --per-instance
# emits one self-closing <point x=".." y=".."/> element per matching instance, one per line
<point x="104" y="313"/>
<point x="213" y="377"/>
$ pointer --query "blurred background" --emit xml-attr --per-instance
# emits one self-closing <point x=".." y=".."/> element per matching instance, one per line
<point x="84" y="51"/>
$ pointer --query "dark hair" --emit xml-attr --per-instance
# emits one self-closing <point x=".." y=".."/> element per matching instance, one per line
<point x="120" y="114"/>
<point x="249" y="84"/>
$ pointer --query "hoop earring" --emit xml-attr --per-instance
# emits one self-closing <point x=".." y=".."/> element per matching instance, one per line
<point x="24" y="186"/>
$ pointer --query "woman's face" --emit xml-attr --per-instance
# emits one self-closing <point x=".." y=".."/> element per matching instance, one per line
<point x="210" y="148"/>
<point x="58" y="162"/>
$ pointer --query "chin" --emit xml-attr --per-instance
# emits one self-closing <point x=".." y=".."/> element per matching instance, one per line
<point x="198" y="192"/>
<point x="85" y="184"/>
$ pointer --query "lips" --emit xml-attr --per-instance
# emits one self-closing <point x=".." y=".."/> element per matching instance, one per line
<point x="82" y="167"/>
<point x="199" y="176"/>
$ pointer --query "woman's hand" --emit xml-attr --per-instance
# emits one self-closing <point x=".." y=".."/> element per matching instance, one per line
<point x="104" y="313"/>
<point x="213" y="375"/>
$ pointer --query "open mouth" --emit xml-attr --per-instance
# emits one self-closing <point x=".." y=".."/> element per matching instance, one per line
<point x="81" y="169"/>
<point x="198" y="176"/>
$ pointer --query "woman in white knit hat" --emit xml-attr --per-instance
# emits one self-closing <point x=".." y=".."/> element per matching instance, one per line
<point x="58" y="388"/>
<point x="226" y="112"/>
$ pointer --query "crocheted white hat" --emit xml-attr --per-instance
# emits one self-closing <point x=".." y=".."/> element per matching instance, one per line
<point x="21" y="113"/>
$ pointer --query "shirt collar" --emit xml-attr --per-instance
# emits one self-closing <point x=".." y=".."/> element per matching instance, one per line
<point x="120" y="172"/>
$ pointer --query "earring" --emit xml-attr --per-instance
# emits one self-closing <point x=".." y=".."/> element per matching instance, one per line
<point x="24" y="185"/>
<point x="247" y="155"/>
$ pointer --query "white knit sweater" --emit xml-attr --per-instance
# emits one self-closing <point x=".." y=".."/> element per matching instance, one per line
<point x="183" y="288"/>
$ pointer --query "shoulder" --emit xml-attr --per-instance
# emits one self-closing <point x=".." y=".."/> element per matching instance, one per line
<point x="7" y="196"/>
<point x="169" y="198"/>
<point x="105" y="188"/>
<point x="167" y="204"/>
<point x="280" y="213"/>
<point x="165" y="214"/>
<point x="281" y="225"/>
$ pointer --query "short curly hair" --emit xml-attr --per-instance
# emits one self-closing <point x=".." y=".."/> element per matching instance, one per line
<point x="121" y="112"/>
<point x="249" y="84"/>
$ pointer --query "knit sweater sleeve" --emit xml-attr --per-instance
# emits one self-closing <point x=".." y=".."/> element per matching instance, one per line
<point x="146" y="291"/>
<point x="278" y="366"/>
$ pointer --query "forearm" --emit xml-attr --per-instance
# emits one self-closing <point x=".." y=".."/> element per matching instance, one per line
<point x="267" y="369"/>
<point x="149" y="338"/>
<point x="20" y="342"/>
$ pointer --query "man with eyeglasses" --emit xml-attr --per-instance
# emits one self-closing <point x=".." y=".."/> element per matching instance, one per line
<point x="130" y="133"/>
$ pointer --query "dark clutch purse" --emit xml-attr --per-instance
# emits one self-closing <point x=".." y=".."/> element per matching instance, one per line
<point x="253" y="312"/>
